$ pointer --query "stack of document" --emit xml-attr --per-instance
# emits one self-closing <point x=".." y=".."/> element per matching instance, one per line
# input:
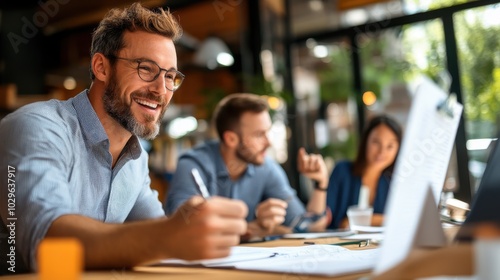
<point x="326" y="260"/>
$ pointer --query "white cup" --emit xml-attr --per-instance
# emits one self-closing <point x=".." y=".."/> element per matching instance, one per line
<point x="487" y="258"/>
<point x="359" y="216"/>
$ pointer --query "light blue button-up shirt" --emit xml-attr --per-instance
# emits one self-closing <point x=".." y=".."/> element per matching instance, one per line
<point x="59" y="154"/>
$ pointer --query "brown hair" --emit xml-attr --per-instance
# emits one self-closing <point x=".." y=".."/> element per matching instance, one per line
<point x="360" y="162"/>
<point x="229" y="110"/>
<point x="108" y="36"/>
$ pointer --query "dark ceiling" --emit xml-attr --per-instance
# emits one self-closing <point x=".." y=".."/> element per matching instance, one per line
<point x="62" y="45"/>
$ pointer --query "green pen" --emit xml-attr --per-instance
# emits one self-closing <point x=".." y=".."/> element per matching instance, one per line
<point x="360" y="243"/>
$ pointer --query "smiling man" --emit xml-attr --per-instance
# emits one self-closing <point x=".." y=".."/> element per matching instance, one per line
<point x="80" y="170"/>
<point x="237" y="167"/>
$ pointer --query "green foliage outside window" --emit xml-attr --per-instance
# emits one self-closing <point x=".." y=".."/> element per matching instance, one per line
<point x="478" y="46"/>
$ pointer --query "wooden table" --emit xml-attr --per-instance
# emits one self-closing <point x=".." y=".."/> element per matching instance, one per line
<point x="139" y="273"/>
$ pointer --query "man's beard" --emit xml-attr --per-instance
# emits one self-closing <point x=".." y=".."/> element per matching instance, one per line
<point x="121" y="112"/>
<point x="244" y="153"/>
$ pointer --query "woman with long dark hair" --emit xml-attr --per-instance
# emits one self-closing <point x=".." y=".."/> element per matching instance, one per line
<point x="372" y="169"/>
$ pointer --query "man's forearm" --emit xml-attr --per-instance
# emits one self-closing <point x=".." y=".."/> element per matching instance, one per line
<point x="112" y="245"/>
<point x="317" y="202"/>
<point x="200" y="229"/>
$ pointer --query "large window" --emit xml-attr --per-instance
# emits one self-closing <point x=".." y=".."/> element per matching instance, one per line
<point x="324" y="96"/>
<point x="478" y="43"/>
<point x="455" y="43"/>
<point x="392" y="59"/>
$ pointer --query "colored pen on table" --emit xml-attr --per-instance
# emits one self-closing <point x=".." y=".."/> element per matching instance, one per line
<point x="360" y="243"/>
<point x="200" y="184"/>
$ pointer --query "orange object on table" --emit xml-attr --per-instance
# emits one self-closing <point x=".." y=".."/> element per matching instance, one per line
<point x="60" y="258"/>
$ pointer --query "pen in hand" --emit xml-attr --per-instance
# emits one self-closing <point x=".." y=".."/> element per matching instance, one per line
<point x="200" y="184"/>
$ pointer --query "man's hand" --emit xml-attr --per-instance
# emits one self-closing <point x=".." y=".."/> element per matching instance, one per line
<point x="270" y="213"/>
<point x="202" y="229"/>
<point x="313" y="167"/>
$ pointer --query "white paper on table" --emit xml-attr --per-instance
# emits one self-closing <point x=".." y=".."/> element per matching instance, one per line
<point x="367" y="228"/>
<point x="427" y="142"/>
<point x="326" y="260"/>
<point x="366" y="236"/>
<point x="238" y="254"/>
<point x="411" y="215"/>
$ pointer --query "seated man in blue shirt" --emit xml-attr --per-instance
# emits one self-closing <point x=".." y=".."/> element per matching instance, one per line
<point x="79" y="170"/>
<point x="237" y="167"/>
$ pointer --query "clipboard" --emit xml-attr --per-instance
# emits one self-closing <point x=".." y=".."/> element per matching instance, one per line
<point x="411" y="215"/>
<point x="447" y="106"/>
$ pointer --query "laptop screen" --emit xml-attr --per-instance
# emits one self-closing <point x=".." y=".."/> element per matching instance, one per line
<point x="486" y="201"/>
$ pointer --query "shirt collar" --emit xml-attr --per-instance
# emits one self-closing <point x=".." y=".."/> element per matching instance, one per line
<point x="133" y="147"/>
<point x="92" y="127"/>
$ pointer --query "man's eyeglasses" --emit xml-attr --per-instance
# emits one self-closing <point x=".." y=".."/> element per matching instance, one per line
<point x="149" y="71"/>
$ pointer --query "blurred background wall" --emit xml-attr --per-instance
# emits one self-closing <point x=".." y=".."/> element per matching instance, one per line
<point x="325" y="67"/>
